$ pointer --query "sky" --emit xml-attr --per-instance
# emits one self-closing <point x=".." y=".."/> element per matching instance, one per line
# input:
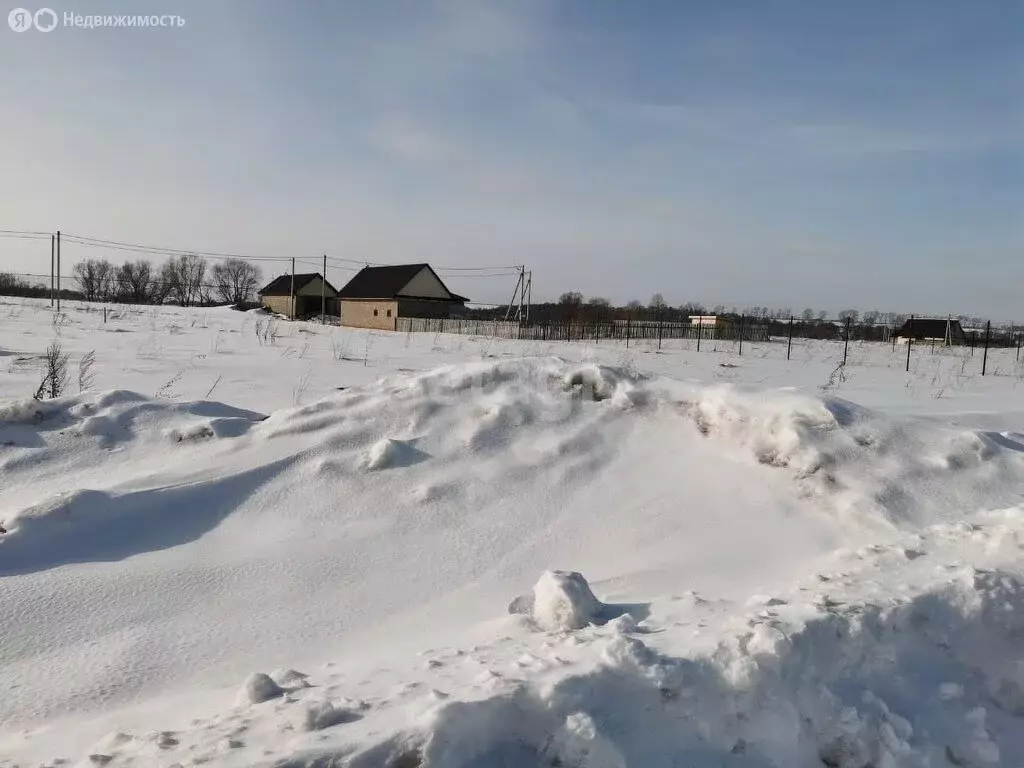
<point x="755" y="152"/>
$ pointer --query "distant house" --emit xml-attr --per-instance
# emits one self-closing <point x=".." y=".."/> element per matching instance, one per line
<point x="309" y="288"/>
<point x="377" y="296"/>
<point x="711" y="326"/>
<point x="728" y="328"/>
<point x="941" y="330"/>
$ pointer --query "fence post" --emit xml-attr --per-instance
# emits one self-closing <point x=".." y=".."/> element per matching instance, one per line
<point x="984" y="359"/>
<point x="910" y="340"/>
<point x="742" y="318"/>
<point x="1019" y="337"/>
<point x="660" y="316"/>
<point x="700" y="332"/>
<point x="629" y="320"/>
<point x="789" y="346"/>
<point x="895" y="335"/>
<point x="846" y="341"/>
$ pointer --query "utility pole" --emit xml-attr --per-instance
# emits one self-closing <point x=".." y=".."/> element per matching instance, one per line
<point x="910" y="341"/>
<point x="292" y="310"/>
<point x="516" y="292"/>
<point x="846" y="341"/>
<point x="323" y="294"/>
<point x="58" y="271"/>
<point x="522" y="295"/>
<point x="53" y="264"/>
<point x="742" y="317"/>
<point x="529" y="294"/>
<point x="789" y="346"/>
<point x="984" y="359"/>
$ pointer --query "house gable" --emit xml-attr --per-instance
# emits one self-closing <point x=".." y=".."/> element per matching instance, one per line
<point x="312" y="287"/>
<point x="426" y="285"/>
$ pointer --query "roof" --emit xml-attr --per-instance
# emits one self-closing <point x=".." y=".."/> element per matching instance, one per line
<point x="931" y="328"/>
<point x="282" y="286"/>
<point x="388" y="283"/>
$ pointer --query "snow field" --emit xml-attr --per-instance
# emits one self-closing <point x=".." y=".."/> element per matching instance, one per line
<point x="730" y="566"/>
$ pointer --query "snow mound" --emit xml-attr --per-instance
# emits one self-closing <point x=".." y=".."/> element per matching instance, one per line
<point x="318" y="715"/>
<point x="388" y="453"/>
<point x="26" y="411"/>
<point x="865" y="465"/>
<point x="289" y="678"/>
<point x="561" y="601"/>
<point x="595" y="382"/>
<point x="851" y="686"/>
<point x="257" y="688"/>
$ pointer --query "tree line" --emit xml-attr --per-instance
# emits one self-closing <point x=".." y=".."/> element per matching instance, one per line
<point x="187" y="280"/>
<point x="573" y="307"/>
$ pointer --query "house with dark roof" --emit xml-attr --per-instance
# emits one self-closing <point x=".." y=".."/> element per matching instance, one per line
<point x="940" y="330"/>
<point x="377" y="296"/>
<point x="299" y="295"/>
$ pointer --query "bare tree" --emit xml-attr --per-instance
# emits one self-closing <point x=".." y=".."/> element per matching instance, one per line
<point x="134" y="283"/>
<point x="870" y="317"/>
<point x="570" y="303"/>
<point x="94" y="277"/>
<point x="597" y="308"/>
<point x="807" y="315"/>
<point x="55" y="373"/>
<point x="181" y="278"/>
<point x="657" y="301"/>
<point x="571" y="298"/>
<point x="235" y="281"/>
<point x="850" y="315"/>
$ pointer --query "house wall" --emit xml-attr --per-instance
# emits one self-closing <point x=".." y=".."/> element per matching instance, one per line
<point x="425" y="284"/>
<point x="416" y="308"/>
<point x="360" y="314"/>
<point x="280" y="304"/>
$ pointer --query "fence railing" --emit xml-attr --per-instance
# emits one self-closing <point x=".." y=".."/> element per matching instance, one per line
<point x="593" y="331"/>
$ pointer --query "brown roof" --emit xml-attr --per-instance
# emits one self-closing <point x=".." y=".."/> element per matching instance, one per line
<point x="932" y="328"/>
<point x="282" y="286"/>
<point x="388" y="282"/>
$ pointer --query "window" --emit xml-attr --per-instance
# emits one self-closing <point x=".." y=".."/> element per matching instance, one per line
<point x="375" y="313"/>
<point x="389" y="313"/>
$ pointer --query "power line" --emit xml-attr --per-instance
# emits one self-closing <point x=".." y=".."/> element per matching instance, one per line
<point x="24" y="232"/>
<point x="163" y="250"/>
<point x="27" y="236"/>
<point x="91" y="242"/>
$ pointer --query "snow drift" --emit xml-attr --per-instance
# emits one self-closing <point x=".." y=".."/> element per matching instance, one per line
<point x="156" y="548"/>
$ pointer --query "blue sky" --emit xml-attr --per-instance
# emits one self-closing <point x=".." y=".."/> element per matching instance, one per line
<point x="823" y="154"/>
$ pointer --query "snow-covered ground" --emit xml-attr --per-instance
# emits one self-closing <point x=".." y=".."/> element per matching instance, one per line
<point x="344" y="547"/>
